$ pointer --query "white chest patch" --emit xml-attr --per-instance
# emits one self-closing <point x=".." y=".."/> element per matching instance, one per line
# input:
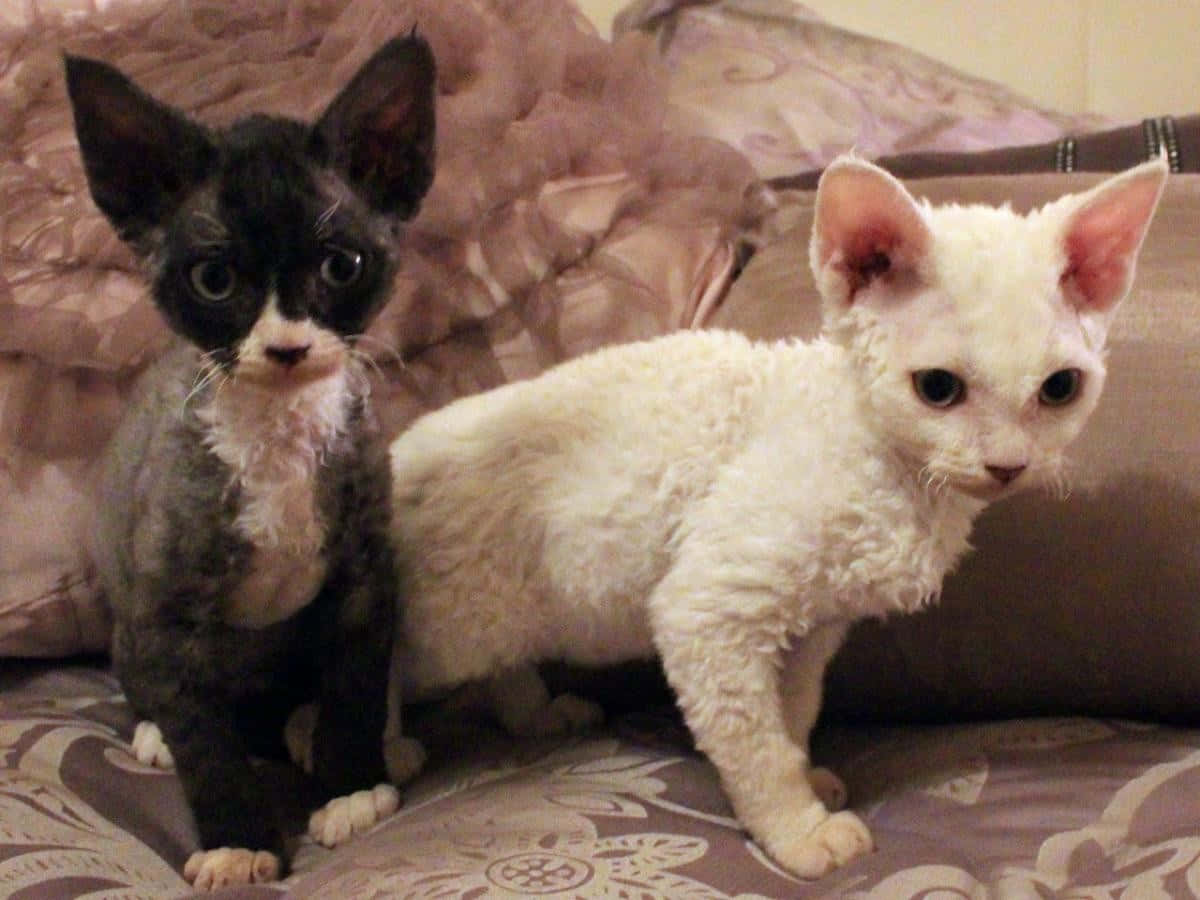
<point x="274" y="443"/>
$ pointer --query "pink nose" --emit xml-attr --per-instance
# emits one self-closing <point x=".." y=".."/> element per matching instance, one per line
<point x="1004" y="474"/>
<point x="288" y="356"/>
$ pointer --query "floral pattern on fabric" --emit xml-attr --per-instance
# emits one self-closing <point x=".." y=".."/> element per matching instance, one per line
<point x="1067" y="807"/>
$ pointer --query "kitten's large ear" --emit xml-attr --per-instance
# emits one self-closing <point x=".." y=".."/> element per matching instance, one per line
<point x="1103" y="234"/>
<point x="141" y="157"/>
<point x="379" y="131"/>
<point x="866" y="225"/>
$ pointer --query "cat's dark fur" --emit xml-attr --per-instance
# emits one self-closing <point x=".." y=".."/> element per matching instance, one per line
<point x="270" y="247"/>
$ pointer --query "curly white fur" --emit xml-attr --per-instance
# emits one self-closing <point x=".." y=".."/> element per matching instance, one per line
<point x="732" y="506"/>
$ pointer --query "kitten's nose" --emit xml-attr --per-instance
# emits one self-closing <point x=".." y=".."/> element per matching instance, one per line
<point x="288" y="356"/>
<point x="1005" y="474"/>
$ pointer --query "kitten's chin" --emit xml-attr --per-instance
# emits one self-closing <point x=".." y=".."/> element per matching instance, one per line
<point x="988" y="491"/>
<point x="270" y="376"/>
<point x="983" y="488"/>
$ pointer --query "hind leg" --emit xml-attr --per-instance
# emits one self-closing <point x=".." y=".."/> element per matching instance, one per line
<point x="519" y="699"/>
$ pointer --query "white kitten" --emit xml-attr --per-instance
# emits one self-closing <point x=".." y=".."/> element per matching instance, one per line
<point x="733" y="506"/>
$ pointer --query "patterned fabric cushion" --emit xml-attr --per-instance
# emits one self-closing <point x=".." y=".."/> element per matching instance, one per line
<point x="1030" y="808"/>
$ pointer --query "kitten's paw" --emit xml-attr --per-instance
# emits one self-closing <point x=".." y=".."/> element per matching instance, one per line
<point x="837" y="840"/>
<point x="149" y="748"/>
<point x="298" y="735"/>
<point x="829" y="788"/>
<point x="343" y="817"/>
<point x="403" y="758"/>
<point x="565" y="714"/>
<point x="211" y="870"/>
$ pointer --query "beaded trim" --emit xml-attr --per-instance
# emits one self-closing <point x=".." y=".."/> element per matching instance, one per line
<point x="1171" y="141"/>
<point x="1160" y="135"/>
<point x="1152" y="137"/>
<point x="1064" y="155"/>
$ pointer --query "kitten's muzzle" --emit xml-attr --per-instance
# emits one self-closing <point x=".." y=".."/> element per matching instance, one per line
<point x="284" y="366"/>
<point x="288" y="356"/>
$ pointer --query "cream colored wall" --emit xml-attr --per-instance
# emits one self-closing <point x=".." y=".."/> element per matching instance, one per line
<point x="1125" y="58"/>
<point x="601" y="12"/>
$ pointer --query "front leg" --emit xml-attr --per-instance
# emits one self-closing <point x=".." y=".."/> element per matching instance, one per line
<point x="347" y="747"/>
<point x="357" y="628"/>
<point x="240" y="832"/>
<point x="723" y="662"/>
<point x="801" y="690"/>
<point x="343" y="741"/>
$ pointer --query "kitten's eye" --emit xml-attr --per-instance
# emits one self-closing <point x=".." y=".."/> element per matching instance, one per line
<point x="1060" y="388"/>
<point x="213" y="280"/>
<point x="341" y="267"/>
<point x="939" y="388"/>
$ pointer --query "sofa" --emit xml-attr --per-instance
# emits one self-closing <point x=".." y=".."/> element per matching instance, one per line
<point x="1033" y="735"/>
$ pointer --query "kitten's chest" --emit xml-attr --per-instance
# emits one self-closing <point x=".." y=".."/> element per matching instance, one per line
<point x="866" y="539"/>
<point x="923" y="550"/>
<point x="276" y="451"/>
<point x="897" y="559"/>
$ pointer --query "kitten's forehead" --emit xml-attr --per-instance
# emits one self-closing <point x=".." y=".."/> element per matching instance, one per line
<point x="267" y="187"/>
<point x="994" y="256"/>
<point x="268" y="194"/>
<point x="993" y="310"/>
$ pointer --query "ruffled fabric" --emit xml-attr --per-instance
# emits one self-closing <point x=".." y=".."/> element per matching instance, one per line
<point x="564" y="216"/>
<point x="791" y="90"/>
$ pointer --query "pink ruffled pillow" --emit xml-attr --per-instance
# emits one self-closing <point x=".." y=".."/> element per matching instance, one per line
<point x="563" y="216"/>
<point x="791" y="90"/>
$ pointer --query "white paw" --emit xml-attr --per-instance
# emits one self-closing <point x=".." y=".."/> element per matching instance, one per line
<point x="298" y="735"/>
<point x="211" y="870"/>
<point x="838" y="839"/>
<point x="829" y="789"/>
<point x="565" y="714"/>
<point x="403" y="758"/>
<point x="343" y="817"/>
<point x="149" y="748"/>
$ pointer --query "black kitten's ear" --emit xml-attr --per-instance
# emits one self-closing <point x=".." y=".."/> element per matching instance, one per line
<point x="141" y="156"/>
<point x="379" y="131"/>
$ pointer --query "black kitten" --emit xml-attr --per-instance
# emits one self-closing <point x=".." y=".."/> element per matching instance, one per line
<point x="242" y="523"/>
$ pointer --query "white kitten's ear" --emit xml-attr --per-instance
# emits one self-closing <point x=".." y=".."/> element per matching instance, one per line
<point x="1103" y="234"/>
<point x="866" y="225"/>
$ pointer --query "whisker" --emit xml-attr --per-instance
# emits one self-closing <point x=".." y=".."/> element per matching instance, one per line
<point x="208" y="230"/>
<point x="1059" y="481"/>
<point x="225" y="380"/>
<point x="358" y="369"/>
<point x="382" y="346"/>
<point x="209" y="371"/>
<point x="367" y="361"/>
<point x="931" y="482"/>
<point x="324" y="229"/>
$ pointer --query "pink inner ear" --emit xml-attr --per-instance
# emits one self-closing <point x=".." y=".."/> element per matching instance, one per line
<point x="867" y="254"/>
<point x="1102" y="243"/>
<point x="867" y="225"/>
<point x="1097" y="273"/>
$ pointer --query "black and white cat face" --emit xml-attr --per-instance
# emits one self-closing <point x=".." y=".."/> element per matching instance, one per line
<point x="270" y="243"/>
<point x="978" y="333"/>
